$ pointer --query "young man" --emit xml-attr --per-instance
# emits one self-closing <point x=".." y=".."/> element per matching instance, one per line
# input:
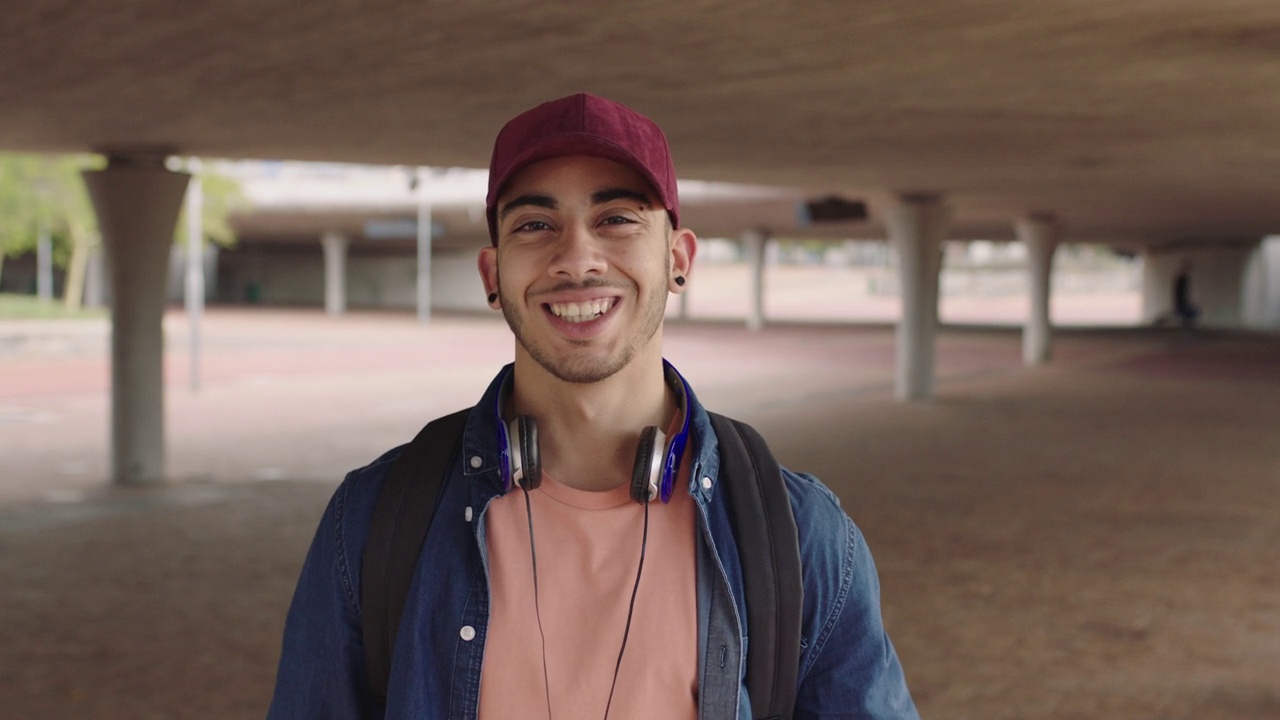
<point x="581" y="561"/>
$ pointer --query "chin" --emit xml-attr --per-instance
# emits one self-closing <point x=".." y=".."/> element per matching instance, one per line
<point x="580" y="369"/>
<point x="584" y="373"/>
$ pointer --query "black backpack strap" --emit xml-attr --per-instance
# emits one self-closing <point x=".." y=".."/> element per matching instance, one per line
<point x="403" y="514"/>
<point x="769" y="550"/>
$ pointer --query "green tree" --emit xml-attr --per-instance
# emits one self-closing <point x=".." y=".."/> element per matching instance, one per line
<point x="47" y="192"/>
<point x="44" y="193"/>
<point x="222" y="198"/>
<point x="19" y="209"/>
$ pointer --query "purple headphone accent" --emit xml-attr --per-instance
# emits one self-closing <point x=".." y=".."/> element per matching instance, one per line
<point x="675" y="448"/>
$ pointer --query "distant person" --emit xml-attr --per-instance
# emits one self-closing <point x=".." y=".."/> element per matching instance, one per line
<point x="588" y="555"/>
<point x="1182" y="305"/>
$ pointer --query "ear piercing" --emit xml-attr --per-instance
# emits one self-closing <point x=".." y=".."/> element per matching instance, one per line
<point x="680" y="280"/>
<point x="493" y="297"/>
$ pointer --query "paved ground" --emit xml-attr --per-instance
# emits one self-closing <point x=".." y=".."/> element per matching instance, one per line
<point x="1093" y="539"/>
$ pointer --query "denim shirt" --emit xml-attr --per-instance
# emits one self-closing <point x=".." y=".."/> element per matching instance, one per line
<point x="848" y="667"/>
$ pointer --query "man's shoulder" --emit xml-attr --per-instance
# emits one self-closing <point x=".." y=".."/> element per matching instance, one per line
<point x="353" y="501"/>
<point x="358" y="494"/>
<point x="820" y="518"/>
<point x="822" y="523"/>
<point x="369" y="478"/>
<point x="810" y="495"/>
<point x="810" y="498"/>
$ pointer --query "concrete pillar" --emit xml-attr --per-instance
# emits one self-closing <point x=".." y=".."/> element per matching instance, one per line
<point x="137" y="202"/>
<point x="424" y="257"/>
<point x="684" y="304"/>
<point x="755" y="241"/>
<point x="1039" y="233"/>
<point x="95" y="282"/>
<point x="193" y="287"/>
<point x="917" y="225"/>
<point x="335" y="272"/>
<point x="1262" y="286"/>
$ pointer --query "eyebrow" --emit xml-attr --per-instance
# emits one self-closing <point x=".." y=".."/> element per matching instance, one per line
<point x="618" y="193"/>
<point x="529" y="200"/>
<point x="598" y="197"/>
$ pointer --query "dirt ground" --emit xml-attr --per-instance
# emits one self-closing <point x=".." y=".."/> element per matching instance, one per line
<point x="1096" y="538"/>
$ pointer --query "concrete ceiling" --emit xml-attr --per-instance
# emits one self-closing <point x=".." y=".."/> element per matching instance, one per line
<point x="1145" y="121"/>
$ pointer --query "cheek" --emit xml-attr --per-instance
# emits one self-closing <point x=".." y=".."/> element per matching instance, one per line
<point x="514" y="271"/>
<point x="512" y="284"/>
<point x="646" y="263"/>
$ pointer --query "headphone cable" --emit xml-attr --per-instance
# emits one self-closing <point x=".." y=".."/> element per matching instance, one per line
<point x="533" y="554"/>
<point x="631" y="607"/>
<point x="644" y="542"/>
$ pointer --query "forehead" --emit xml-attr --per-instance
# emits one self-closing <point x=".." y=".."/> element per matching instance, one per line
<point x="573" y="175"/>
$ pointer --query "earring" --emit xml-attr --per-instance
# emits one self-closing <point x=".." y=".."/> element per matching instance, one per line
<point x="680" y="280"/>
<point x="493" y="297"/>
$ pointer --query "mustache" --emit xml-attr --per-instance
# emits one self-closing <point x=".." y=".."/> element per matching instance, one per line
<point x="588" y="284"/>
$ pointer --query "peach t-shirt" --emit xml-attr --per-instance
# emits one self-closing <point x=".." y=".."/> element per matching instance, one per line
<point x="588" y="546"/>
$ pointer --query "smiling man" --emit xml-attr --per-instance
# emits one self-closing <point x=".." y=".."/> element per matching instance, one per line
<point x="587" y="546"/>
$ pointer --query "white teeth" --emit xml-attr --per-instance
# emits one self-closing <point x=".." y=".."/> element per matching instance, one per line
<point x="583" y="311"/>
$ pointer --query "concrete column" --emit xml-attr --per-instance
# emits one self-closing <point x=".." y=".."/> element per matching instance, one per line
<point x="1262" y="286"/>
<point x="193" y="290"/>
<point x="424" y="260"/>
<point x="1039" y="233"/>
<point x="684" y="304"/>
<point x="95" y="290"/>
<point x="755" y="241"/>
<point x="137" y="202"/>
<point x="335" y="272"/>
<point x="917" y="225"/>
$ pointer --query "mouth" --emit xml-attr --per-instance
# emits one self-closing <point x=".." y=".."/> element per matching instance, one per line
<point x="581" y="312"/>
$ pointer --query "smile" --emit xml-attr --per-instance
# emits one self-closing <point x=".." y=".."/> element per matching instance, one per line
<point x="581" y="311"/>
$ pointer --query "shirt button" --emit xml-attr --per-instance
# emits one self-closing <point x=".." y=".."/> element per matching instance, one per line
<point x="467" y="513"/>
<point x="706" y="483"/>
<point x="476" y="462"/>
<point x="468" y="633"/>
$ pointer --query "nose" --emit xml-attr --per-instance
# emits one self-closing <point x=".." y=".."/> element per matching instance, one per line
<point x="578" y="254"/>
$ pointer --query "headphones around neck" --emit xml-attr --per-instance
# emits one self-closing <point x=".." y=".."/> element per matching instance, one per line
<point x="653" y="475"/>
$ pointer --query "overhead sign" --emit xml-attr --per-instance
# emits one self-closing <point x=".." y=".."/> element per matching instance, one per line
<point x="831" y="209"/>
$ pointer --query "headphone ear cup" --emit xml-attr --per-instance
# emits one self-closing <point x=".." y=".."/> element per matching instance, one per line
<point x="530" y="461"/>
<point x="644" y="475"/>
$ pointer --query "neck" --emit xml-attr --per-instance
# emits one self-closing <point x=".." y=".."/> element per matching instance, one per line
<point x="588" y="432"/>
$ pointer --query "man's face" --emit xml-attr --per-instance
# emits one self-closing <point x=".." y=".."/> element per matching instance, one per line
<point x="586" y="257"/>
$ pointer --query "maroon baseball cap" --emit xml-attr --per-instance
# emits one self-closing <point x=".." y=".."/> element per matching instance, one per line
<point x="582" y="124"/>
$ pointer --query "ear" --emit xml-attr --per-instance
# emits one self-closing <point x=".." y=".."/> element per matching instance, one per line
<point x="684" y="245"/>
<point x="487" y="263"/>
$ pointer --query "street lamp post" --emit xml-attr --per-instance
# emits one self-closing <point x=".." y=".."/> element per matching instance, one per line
<point x="194" y="290"/>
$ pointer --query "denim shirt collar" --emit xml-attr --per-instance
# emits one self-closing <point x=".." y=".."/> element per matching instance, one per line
<point x="482" y="456"/>
<point x="704" y="455"/>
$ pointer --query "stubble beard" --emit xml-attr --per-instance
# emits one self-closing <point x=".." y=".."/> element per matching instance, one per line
<point x="582" y="369"/>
